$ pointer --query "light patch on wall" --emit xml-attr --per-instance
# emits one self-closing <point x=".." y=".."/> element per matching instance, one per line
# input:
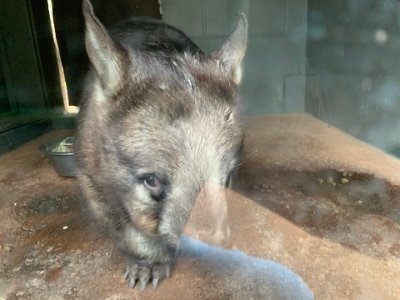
<point x="367" y="84"/>
<point x="69" y="109"/>
<point x="380" y="36"/>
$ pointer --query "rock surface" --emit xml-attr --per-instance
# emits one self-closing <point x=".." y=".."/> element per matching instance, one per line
<point x="307" y="196"/>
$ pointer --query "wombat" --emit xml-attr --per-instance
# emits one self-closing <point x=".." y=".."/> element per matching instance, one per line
<point x="159" y="119"/>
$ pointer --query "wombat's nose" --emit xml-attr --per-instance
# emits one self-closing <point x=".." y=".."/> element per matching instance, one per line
<point x="213" y="198"/>
<point x="208" y="219"/>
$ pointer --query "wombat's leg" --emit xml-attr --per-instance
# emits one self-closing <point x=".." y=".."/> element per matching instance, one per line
<point x="142" y="271"/>
<point x="150" y="257"/>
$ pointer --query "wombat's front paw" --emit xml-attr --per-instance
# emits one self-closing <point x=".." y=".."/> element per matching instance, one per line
<point x="142" y="271"/>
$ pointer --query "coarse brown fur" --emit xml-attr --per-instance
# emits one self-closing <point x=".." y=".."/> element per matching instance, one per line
<point x="159" y="120"/>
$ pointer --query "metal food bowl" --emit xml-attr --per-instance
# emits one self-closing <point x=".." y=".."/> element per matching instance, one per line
<point x="61" y="155"/>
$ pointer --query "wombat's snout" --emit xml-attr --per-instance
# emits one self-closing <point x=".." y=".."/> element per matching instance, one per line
<point x="208" y="220"/>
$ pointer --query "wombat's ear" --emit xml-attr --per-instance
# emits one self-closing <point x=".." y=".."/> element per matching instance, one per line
<point x="106" y="55"/>
<point x="230" y="55"/>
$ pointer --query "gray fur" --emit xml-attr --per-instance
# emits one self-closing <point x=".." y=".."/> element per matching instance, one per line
<point x="155" y="106"/>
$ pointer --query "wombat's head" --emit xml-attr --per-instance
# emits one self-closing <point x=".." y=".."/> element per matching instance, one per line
<point x="167" y="123"/>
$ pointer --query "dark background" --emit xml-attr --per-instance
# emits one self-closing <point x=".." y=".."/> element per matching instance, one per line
<point x="30" y="95"/>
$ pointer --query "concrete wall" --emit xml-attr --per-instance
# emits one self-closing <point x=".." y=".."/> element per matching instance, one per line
<point x="275" y="62"/>
<point x="353" y="54"/>
<point x="338" y="60"/>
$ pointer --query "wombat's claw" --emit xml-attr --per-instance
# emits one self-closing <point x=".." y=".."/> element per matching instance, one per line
<point x="142" y="271"/>
<point x="131" y="275"/>
<point x="132" y="282"/>
<point x="144" y="276"/>
<point x="159" y="272"/>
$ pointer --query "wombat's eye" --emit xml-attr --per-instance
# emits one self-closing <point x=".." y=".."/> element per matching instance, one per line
<point x="154" y="186"/>
<point x="152" y="182"/>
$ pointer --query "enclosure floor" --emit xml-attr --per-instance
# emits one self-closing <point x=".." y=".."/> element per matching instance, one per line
<point x="307" y="196"/>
